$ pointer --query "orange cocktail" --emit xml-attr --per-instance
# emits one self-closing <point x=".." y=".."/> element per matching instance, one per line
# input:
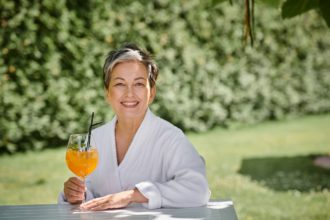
<point x="82" y="162"/>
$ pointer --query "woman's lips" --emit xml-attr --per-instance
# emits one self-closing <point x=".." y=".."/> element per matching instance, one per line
<point x="130" y="104"/>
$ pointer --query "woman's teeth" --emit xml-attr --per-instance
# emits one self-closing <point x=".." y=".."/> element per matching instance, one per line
<point x="130" y="104"/>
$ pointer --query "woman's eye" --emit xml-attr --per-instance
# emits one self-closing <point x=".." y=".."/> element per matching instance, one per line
<point x="139" y="84"/>
<point x="119" y="84"/>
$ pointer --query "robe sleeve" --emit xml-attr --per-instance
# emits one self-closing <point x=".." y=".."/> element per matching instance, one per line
<point x="186" y="184"/>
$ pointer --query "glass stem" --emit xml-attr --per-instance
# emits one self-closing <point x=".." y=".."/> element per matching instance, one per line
<point x="84" y="181"/>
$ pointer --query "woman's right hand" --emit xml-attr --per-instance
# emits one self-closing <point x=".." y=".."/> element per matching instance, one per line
<point x="74" y="190"/>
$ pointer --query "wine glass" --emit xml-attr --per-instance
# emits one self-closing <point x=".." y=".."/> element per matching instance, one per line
<point x="81" y="157"/>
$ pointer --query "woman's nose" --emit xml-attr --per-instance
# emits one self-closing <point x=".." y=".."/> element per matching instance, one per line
<point x="129" y="91"/>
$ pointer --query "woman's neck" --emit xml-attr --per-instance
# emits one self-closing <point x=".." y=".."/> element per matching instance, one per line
<point x="128" y="126"/>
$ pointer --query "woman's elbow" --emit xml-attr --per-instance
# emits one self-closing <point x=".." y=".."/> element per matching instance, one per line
<point x="203" y="196"/>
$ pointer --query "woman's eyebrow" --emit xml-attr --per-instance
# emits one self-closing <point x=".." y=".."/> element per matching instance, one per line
<point x="138" y="78"/>
<point x="118" y="78"/>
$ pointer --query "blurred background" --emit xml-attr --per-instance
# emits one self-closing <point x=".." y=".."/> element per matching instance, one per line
<point x="258" y="114"/>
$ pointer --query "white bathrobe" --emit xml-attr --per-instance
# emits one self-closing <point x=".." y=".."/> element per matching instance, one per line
<point x="160" y="162"/>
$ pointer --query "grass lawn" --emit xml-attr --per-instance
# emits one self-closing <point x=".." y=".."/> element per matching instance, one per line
<point x="266" y="169"/>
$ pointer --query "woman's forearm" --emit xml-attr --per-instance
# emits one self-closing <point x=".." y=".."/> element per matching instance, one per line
<point x="136" y="196"/>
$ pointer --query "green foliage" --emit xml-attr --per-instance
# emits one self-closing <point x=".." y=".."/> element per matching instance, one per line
<point x="324" y="8"/>
<point x="52" y="54"/>
<point x="290" y="8"/>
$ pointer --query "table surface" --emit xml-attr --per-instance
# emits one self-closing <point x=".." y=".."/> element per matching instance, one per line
<point x="214" y="210"/>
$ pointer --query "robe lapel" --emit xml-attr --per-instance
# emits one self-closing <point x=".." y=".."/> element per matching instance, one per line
<point x="113" y="157"/>
<point x="138" y="141"/>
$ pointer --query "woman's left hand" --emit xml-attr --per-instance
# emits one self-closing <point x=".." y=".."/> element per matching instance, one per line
<point x="113" y="201"/>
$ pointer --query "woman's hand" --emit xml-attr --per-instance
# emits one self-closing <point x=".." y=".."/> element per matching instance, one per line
<point x="113" y="201"/>
<point x="74" y="190"/>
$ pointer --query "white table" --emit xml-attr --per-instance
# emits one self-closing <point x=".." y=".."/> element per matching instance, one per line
<point x="214" y="210"/>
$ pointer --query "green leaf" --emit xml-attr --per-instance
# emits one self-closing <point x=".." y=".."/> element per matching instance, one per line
<point x="216" y="2"/>
<point x="325" y="7"/>
<point x="272" y="3"/>
<point x="291" y="8"/>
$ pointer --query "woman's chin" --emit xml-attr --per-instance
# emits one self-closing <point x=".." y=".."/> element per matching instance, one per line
<point x="131" y="112"/>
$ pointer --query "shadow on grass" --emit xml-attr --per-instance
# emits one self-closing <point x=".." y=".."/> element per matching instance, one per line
<point x="287" y="173"/>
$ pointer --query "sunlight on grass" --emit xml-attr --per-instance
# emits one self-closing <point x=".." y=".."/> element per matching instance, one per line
<point x="34" y="177"/>
<point x="265" y="169"/>
<point x="281" y="142"/>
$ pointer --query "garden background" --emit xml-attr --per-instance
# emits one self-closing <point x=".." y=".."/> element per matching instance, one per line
<point x="246" y="109"/>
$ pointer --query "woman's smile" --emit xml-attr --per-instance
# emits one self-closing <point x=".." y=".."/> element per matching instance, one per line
<point x="129" y="104"/>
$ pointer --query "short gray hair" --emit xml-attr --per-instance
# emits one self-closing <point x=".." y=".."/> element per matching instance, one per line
<point x="129" y="52"/>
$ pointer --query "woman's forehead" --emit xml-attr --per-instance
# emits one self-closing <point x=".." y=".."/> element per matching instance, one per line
<point x="129" y="69"/>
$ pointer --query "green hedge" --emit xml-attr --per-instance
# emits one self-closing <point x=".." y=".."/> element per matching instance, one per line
<point x="52" y="53"/>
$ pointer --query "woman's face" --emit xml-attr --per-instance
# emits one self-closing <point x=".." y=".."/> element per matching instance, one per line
<point x="129" y="91"/>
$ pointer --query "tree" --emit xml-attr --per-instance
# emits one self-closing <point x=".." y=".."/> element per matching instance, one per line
<point x="289" y="9"/>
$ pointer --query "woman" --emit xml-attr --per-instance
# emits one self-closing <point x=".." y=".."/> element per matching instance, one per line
<point x="142" y="158"/>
